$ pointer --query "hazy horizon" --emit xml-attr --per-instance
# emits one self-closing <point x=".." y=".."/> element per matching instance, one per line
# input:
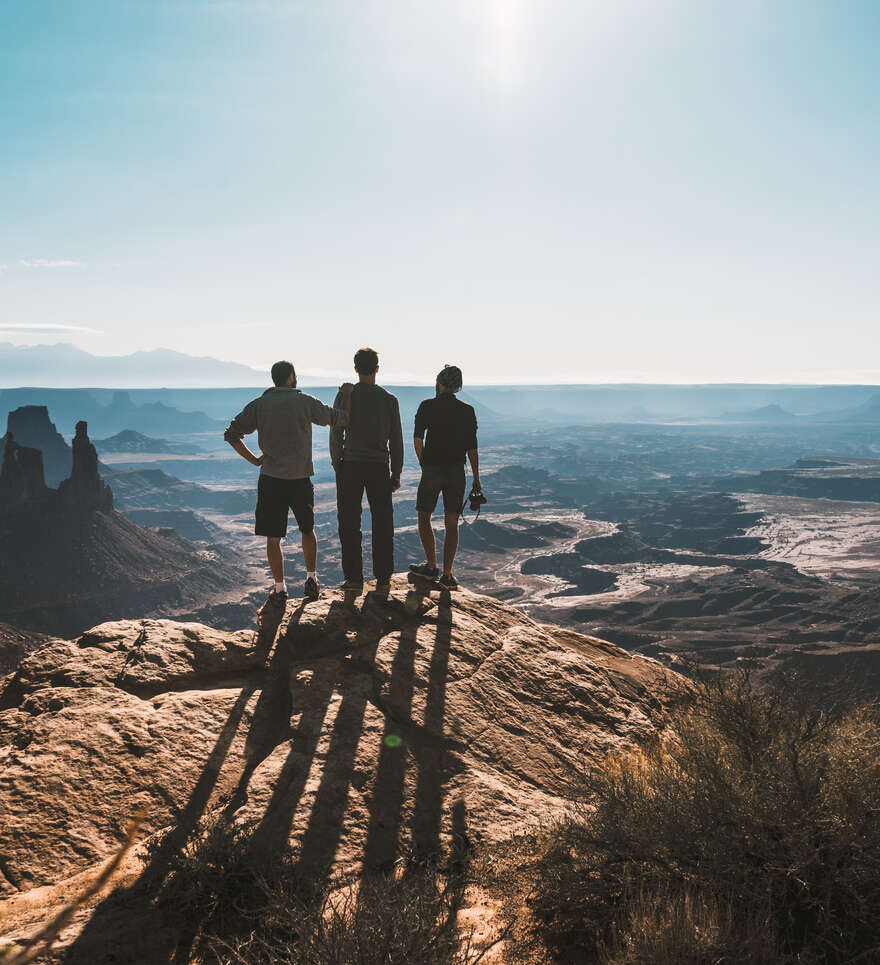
<point x="305" y="375"/>
<point x="666" y="192"/>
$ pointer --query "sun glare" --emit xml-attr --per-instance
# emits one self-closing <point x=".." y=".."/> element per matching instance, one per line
<point x="505" y="21"/>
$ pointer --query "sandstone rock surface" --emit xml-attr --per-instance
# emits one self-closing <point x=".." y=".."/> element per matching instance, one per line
<point x="352" y="732"/>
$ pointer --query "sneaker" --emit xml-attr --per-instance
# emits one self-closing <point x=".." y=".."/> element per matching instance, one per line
<point x="352" y="586"/>
<point x="448" y="582"/>
<point x="276" y="597"/>
<point x="425" y="570"/>
<point x="312" y="589"/>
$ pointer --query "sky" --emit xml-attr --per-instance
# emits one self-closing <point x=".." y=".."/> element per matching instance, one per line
<point x="536" y="190"/>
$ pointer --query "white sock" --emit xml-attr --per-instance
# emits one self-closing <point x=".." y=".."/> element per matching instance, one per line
<point x="280" y="587"/>
<point x="312" y="575"/>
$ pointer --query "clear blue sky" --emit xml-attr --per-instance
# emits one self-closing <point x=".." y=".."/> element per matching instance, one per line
<point x="539" y="190"/>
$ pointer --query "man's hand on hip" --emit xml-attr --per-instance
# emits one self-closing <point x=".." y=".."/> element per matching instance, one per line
<point x="245" y="453"/>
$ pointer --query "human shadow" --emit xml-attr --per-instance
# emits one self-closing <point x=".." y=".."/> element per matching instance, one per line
<point x="323" y="833"/>
<point x="98" y="940"/>
<point x="404" y="741"/>
<point x="331" y="674"/>
<point x="327" y="677"/>
<point x="433" y="762"/>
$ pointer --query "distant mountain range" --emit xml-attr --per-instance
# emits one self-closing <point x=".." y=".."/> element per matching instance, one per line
<point x="868" y="413"/>
<point x="66" y="366"/>
<point x="766" y="413"/>
<point x="135" y="442"/>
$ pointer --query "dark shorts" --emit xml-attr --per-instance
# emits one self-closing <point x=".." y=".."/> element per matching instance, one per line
<point x="448" y="480"/>
<point x="275" y="497"/>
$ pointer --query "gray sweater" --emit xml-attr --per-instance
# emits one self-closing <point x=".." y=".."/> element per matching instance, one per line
<point x="373" y="433"/>
<point x="283" y="419"/>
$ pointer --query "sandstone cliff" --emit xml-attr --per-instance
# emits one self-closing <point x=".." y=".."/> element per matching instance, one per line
<point x="350" y="733"/>
<point x="31" y="426"/>
<point x="69" y="560"/>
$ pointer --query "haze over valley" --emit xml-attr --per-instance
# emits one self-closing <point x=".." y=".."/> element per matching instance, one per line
<point x="625" y="708"/>
<point x="695" y="522"/>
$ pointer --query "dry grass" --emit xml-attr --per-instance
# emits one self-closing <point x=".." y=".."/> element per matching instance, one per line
<point x="252" y="911"/>
<point x="749" y="834"/>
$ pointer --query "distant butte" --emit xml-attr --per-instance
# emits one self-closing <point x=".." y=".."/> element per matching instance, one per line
<point x="70" y="559"/>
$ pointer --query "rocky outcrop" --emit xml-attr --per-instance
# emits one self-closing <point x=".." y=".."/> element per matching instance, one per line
<point x="21" y="476"/>
<point x="351" y="733"/>
<point x="31" y="426"/>
<point x="15" y="643"/>
<point x="69" y="560"/>
<point x="85" y="491"/>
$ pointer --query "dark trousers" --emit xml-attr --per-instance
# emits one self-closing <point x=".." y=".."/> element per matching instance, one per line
<point x="352" y="479"/>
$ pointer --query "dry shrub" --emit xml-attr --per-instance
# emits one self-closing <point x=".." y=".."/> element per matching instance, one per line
<point x="749" y="834"/>
<point x="685" y="928"/>
<point x="247" y="909"/>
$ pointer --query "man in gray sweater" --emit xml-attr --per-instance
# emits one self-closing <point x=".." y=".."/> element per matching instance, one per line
<point x="283" y="417"/>
<point x="360" y="452"/>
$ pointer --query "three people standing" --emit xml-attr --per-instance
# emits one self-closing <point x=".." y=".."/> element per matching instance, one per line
<point x="366" y="449"/>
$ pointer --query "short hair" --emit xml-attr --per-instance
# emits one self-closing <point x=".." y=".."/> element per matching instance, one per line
<point x="282" y="371"/>
<point x="450" y="377"/>
<point x="366" y="361"/>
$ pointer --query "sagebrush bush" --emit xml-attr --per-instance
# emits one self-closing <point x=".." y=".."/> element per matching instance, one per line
<point x="749" y="833"/>
<point x="246" y="909"/>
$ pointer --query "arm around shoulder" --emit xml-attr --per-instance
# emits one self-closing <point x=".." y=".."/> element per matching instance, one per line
<point x="325" y="415"/>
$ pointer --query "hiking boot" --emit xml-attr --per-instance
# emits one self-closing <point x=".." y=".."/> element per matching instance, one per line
<point x="312" y="589"/>
<point x="352" y="586"/>
<point x="276" y="598"/>
<point x="383" y="587"/>
<point x="448" y="582"/>
<point x="425" y="570"/>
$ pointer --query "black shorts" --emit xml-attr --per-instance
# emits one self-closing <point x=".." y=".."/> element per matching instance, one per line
<point x="275" y="497"/>
<point x="448" y="480"/>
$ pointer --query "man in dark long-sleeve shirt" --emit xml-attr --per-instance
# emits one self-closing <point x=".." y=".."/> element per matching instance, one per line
<point x="283" y="418"/>
<point x="360" y="452"/>
<point x="451" y="427"/>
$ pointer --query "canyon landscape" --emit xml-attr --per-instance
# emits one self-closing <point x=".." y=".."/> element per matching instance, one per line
<point x="609" y="696"/>
<point x="612" y="562"/>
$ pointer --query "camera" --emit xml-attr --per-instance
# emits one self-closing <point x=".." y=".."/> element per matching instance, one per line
<point x="477" y="499"/>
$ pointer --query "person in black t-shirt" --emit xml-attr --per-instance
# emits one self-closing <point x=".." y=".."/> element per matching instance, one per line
<point x="451" y="427"/>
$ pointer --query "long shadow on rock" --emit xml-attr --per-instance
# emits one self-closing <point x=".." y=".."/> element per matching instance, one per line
<point x="403" y="741"/>
<point x="132" y="912"/>
<point x="432" y="761"/>
<point x="386" y="805"/>
<point x="326" y="821"/>
<point x="270" y="724"/>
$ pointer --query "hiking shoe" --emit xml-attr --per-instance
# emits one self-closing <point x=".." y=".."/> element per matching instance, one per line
<point x="312" y="589"/>
<point x="352" y="586"/>
<point x="276" y="598"/>
<point x="383" y="587"/>
<point x="448" y="582"/>
<point x="425" y="570"/>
